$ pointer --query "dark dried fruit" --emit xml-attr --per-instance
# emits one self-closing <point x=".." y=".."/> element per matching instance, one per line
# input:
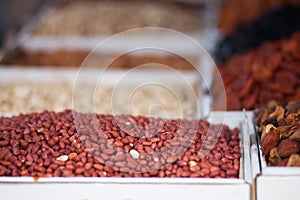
<point x="283" y="162"/>
<point x="295" y="135"/>
<point x="293" y="107"/>
<point x="269" y="141"/>
<point x="292" y="118"/>
<point x="287" y="147"/>
<point x="274" y="158"/>
<point x="284" y="131"/>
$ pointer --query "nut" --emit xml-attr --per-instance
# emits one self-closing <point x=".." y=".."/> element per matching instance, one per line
<point x="134" y="153"/>
<point x="192" y="163"/>
<point x="171" y="159"/>
<point x="62" y="158"/>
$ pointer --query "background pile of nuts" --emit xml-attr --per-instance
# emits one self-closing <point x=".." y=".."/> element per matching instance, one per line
<point x="270" y="72"/>
<point x="28" y="97"/>
<point x="111" y="17"/>
<point x="279" y="128"/>
<point x="75" y="58"/>
<point x="74" y="144"/>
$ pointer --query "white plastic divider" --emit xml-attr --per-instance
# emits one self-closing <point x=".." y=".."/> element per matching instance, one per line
<point x="94" y="191"/>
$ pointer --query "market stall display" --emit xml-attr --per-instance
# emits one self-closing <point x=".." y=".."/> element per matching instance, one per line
<point x="85" y="112"/>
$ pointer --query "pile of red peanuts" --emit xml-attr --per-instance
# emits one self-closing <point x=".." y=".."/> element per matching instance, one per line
<point x="68" y="144"/>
